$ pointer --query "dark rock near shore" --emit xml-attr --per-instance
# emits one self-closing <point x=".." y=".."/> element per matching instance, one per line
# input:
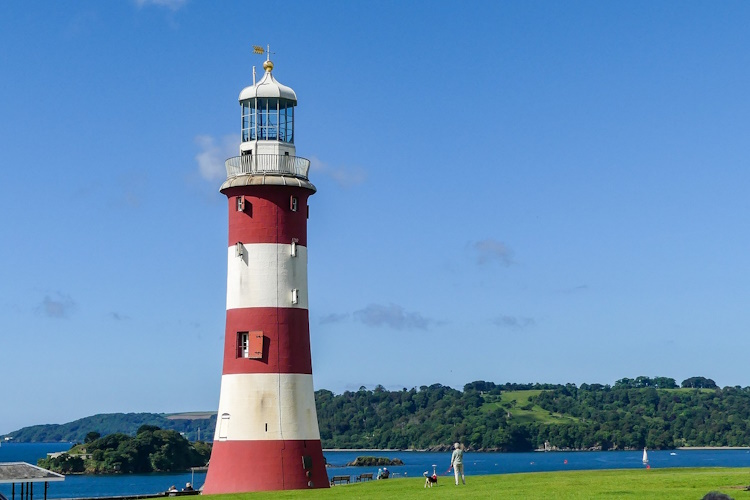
<point x="374" y="462"/>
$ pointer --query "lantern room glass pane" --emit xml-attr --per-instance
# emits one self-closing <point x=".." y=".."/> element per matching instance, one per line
<point x="282" y="120"/>
<point x="273" y="119"/>
<point x="290" y="124"/>
<point x="268" y="119"/>
<point x="245" y="121"/>
<point x="252" y="120"/>
<point x="262" y="118"/>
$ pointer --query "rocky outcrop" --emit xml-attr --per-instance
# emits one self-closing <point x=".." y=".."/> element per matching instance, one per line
<point x="374" y="462"/>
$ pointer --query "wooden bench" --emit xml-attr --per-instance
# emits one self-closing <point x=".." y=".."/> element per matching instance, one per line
<point x="341" y="479"/>
<point x="364" y="477"/>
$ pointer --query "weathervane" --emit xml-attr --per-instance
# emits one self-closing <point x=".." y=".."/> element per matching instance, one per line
<point x="268" y="65"/>
<point x="257" y="49"/>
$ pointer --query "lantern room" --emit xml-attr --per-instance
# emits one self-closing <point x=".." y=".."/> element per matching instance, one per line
<point x="267" y="117"/>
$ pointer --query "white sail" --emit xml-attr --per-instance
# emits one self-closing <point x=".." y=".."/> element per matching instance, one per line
<point x="645" y="456"/>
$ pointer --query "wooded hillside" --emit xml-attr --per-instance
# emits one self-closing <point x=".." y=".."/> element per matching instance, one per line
<point x="633" y="413"/>
<point x="111" y="423"/>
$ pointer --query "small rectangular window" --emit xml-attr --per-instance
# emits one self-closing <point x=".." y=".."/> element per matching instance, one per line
<point x="294" y="247"/>
<point x="239" y="249"/>
<point x="295" y="296"/>
<point x="293" y="203"/>
<point x="243" y="343"/>
<point x="243" y="205"/>
<point x="250" y="345"/>
<point x="224" y="426"/>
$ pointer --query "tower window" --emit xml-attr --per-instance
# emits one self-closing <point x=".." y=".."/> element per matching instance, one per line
<point x="250" y="345"/>
<point x="295" y="296"/>
<point x="224" y="426"/>
<point x="243" y="342"/>
<point x="294" y="247"/>
<point x="244" y="206"/>
<point x="293" y="203"/>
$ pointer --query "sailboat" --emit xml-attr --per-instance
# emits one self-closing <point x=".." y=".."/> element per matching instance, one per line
<point x="645" y="456"/>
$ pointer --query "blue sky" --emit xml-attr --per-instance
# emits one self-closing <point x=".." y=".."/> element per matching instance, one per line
<point x="507" y="191"/>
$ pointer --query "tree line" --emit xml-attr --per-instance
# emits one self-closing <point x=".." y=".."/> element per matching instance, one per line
<point x="630" y="414"/>
<point x="150" y="450"/>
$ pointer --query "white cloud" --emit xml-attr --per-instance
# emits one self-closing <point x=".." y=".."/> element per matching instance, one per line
<point x="345" y="177"/>
<point x="515" y="322"/>
<point x="333" y="318"/>
<point x="393" y="316"/>
<point x="118" y="317"/>
<point x="170" y="4"/>
<point x="58" y="307"/>
<point x="492" y="250"/>
<point x="213" y="153"/>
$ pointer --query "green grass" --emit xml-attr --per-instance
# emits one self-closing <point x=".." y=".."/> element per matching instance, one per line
<point x="613" y="484"/>
<point x="687" y="389"/>
<point x="513" y="401"/>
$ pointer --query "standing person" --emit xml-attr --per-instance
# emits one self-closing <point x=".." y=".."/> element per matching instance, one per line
<point x="457" y="462"/>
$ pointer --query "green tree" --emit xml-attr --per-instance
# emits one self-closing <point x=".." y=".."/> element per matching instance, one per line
<point x="91" y="436"/>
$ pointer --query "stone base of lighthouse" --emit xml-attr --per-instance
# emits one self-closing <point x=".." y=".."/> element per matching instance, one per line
<point x="267" y="435"/>
<point x="239" y="466"/>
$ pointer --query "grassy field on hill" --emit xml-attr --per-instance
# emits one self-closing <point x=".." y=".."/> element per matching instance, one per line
<point x="659" y="484"/>
<point x="519" y="404"/>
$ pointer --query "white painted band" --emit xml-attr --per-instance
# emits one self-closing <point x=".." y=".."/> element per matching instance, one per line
<point x="266" y="275"/>
<point x="267" y="406"/>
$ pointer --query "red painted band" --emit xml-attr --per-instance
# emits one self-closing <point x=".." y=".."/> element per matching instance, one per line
<point x="286" y="340"/>
<point x="240" y="466"/>
<point x="267" y="216"/>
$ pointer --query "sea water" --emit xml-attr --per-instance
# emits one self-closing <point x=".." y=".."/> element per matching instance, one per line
<point x="415" y="464"/>
<point x="83" y="486"/>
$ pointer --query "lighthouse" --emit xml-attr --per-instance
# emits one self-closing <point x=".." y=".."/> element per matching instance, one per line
<point x="267" y="435"/>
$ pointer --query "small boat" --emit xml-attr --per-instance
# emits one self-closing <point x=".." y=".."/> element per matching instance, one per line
<point x="645" y="456"/>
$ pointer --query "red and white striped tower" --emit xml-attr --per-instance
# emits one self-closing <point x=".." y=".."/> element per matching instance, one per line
<point x="267" y="435"/>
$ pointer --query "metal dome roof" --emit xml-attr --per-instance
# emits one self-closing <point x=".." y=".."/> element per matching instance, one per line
<point x="268" y="87"/>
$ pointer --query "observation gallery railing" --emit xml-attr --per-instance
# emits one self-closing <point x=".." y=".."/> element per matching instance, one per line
<point x="267" y="164"/>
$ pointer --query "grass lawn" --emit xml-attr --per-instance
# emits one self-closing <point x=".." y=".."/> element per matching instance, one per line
<point x="636" y="483"/>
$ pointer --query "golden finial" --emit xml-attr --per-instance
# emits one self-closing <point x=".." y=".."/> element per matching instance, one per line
<point x="267" y="65"/>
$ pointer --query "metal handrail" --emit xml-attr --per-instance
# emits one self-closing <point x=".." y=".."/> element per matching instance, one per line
<point x="267" y="164"/>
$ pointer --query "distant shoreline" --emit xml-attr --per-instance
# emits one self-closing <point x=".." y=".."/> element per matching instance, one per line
<point x="713" y="448"/>
<point x="394" y="450"/>
<point x="365" y="449"/>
